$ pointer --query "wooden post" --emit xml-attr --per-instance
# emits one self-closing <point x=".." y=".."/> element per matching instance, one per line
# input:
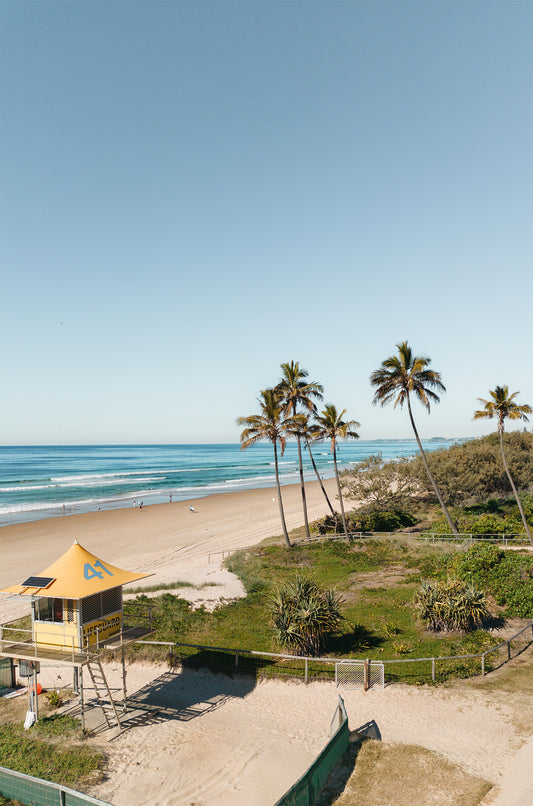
<point x="124" y="691"/>
<point x="35" y="695"/>
<point x="306" y="677"/>
<point x="508" y="650"/>
<point x="483" y="665"/>
<point x="236" y="658"/>
<point x="81" y="700"/>
<point x="366" y="676"/>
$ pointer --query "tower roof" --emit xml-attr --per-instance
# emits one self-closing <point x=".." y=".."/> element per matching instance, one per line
<point x="75" y="575"/>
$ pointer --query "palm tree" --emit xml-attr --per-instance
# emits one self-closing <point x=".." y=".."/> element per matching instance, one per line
<point x="269" y="424"/>
<point x="297" y="392"/>
<point x="504" y="408"/>
<point x="330" y="425"/>
<point x="397" y="377"/>
<point x="301" y="426"/>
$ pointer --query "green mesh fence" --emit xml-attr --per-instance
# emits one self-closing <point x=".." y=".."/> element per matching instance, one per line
<point x="307" y="788"/>
<point x="36" y="792"/>
<point x="6" y="673"/>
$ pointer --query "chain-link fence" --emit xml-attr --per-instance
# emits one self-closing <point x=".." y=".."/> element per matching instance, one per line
<point x="35" y="792"/>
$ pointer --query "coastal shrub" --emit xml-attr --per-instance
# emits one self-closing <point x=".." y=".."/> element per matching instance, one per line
<point x="366" y="520"/>
<point x="382" y="485"/>
<point x="450" y="604"/>
<point x="506" y="575"/>
<point x="304" y="615"/>
<point x="473" y="471"/>
<point x="330" y="524"/>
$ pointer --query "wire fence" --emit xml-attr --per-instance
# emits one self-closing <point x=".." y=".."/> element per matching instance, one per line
<point x="468" y="538"/>
<point x="409" y="670"/>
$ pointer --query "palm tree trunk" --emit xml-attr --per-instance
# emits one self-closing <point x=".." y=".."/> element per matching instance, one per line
<point x="304" y="502"/>
<point x="280" y="501"/>
<point x="339" y="489"/>
<point x="451" y="524"/>
<point x="524" y="521"/>
<point x="319" y="477"/>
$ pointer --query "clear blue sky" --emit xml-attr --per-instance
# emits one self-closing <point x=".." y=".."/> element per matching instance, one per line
<point x="194" y="193"/>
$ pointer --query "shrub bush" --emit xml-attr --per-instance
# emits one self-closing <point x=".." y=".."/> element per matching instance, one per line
<point x="450" y="605"/>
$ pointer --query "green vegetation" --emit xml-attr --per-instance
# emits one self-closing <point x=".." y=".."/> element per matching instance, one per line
<point x="304" y="615"/>
<point x="377" y="581"/>
<point x="472" y="472"/>
<point x="450" y="605"/>
<point x="507" y="576"/>
<point x="383" y="485"/>
<point x="53" y="750"/>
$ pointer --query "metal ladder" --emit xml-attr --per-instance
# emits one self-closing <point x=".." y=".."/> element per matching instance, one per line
<point x="103" y="694"/>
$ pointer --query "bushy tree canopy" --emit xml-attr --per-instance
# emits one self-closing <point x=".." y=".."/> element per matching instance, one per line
<point x="473" y="470"/>
<point x="381" y="485"/>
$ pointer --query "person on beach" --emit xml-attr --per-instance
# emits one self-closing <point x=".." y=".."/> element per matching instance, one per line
<point x="192" y="509"/>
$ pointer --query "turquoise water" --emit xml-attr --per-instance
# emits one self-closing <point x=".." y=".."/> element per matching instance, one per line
<point x="46" y="481"/>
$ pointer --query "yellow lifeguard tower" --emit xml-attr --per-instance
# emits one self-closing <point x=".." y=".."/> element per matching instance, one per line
<point x="76" y="618"/>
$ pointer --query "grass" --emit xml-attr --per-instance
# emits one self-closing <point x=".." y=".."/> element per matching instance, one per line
<point x="376" y="579"/>
<point x="53" y="750"/>
<point x="419" y="776"/>
<point x="167" y="586"/>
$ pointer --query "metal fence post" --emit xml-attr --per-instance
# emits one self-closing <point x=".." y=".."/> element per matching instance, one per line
<point x="433" y="669"/>
<point x="483" y="665"/>
<point x="508" y="650"/>
<point x="366" y="675"/>
<point x="306" y="678"/>
<point x="236" y="659"/>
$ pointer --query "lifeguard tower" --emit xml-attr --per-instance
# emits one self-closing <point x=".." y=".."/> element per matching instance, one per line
<point x="76" y="619"/>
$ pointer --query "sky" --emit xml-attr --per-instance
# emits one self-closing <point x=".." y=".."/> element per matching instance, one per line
<point x="192" y="193"/>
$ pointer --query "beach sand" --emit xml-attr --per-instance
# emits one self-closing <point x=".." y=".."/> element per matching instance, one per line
<point x="223" y="741"/>
<point x="166" y="540"/>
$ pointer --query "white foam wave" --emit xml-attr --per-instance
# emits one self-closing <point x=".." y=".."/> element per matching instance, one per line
<point x="116" y="475"/>
<point x="95" y="483"/>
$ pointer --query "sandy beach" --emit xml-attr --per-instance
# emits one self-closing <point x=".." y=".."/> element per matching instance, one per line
<point x="221" y="741"/>
<point x="166" y="540"/>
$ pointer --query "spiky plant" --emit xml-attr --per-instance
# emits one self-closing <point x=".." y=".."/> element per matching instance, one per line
<point x="303" y="615"/>
<point x="450" y="605"/>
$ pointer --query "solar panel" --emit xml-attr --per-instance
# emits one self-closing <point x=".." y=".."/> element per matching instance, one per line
<point x="38" y="582"/>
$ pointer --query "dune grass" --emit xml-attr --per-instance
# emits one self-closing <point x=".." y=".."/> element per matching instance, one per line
<point x="383" y="774"/>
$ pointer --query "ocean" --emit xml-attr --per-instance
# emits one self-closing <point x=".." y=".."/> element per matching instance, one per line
<point x="46" y="481"/>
